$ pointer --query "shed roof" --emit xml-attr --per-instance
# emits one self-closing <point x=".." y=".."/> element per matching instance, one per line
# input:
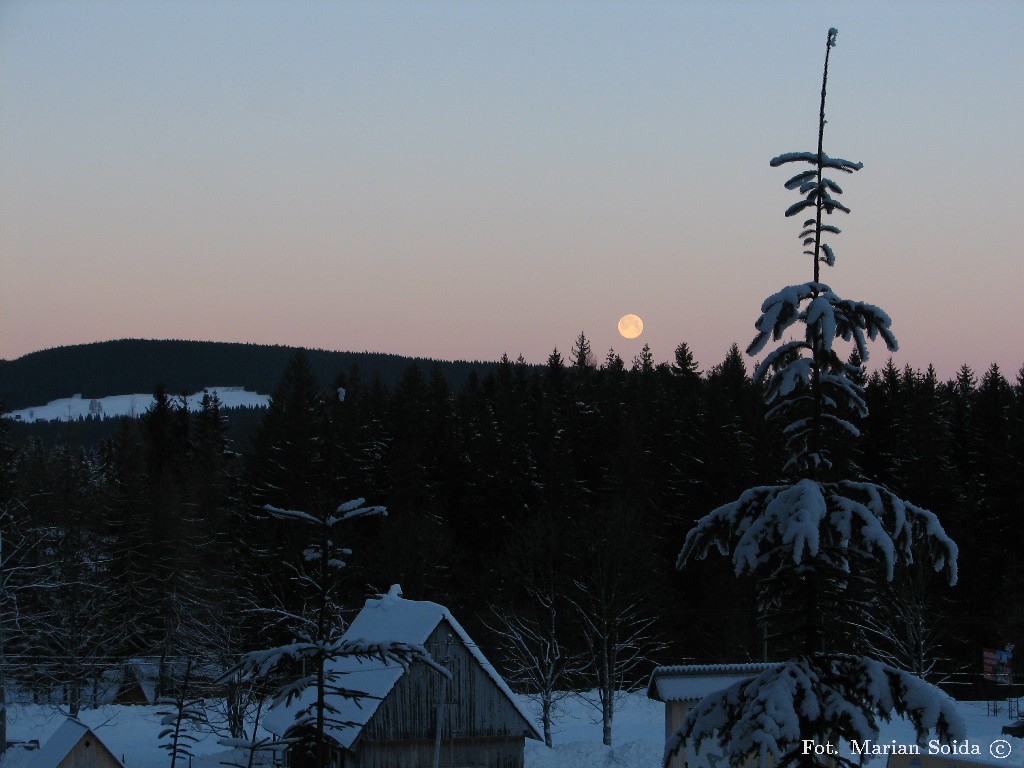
<point x="692" y="682"/>
<point x="62" y="742"/>
<point x="389" y="618"/>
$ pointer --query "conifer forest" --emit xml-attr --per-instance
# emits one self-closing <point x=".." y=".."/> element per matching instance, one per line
<point x="532" y="497"/>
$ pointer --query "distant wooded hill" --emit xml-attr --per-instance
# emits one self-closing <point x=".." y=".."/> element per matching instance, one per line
<point x="137" y="366"/>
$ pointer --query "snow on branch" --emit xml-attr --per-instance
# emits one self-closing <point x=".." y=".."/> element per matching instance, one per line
<point x="347" y="511"/>
<point x="849" y="320"/>
<point x="355" y="508"/>
<point x="830" y="256"/>
<point x="814" y="158"/>
<point x="842" y="424"/>
<point x="818" y="191"/>
<point x="259" y="664"/>
<point x="786" y="380"/>
<point x="290" y="514"/>
<point x="849" y="391"/>
<point x="824" y="228"/>
<point x="778" y="312"/>
<point x="767" y="718"/>
<point x="770" y="529"/>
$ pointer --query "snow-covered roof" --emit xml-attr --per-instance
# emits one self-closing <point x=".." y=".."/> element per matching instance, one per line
<point x="692" y="682"/>
<point x="61" y="743"/>
<point x="389" y="618"/>
<point x="147" y="675"/>
<point x="17" y="756"/>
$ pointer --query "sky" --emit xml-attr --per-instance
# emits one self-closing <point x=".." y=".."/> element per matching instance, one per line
<point x="459" y="180"/>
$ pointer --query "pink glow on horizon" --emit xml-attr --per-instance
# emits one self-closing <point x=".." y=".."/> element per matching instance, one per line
<point x="459" y="181"/>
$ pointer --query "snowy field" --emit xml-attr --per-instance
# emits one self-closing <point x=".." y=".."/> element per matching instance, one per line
<point x="78" y="407"/>
<point x="131" y="732"/>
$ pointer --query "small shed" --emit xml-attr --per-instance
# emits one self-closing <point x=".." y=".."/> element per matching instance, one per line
<point x="138" y="681"/>
<point x="681" y="687"/>
<point x="74" y="745"/>
<point x="480" y="722"/>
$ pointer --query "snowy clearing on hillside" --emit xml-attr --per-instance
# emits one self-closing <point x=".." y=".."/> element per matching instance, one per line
<point x="77" y="407"/>
<point x="131" y="732"/>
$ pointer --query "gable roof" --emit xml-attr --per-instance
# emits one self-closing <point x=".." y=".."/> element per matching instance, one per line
<point x="692" y="682"/>
<point x="62" y="742"/>
<point x="389" y="618"/>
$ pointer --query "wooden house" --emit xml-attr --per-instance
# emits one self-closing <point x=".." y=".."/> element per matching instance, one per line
<point x="410" y="715"/>
<point x="74" y="745"/>
<point x="138" y="681"/>
<point x="681" y="688"/>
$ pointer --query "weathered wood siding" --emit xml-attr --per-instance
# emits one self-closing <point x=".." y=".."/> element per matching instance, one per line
<point x="675" y="713"/>
<point x="89" y="753"/>
<point x="475" y="753"/>
<point x="480" y="725"/>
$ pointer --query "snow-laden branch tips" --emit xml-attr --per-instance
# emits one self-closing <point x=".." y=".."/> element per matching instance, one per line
<point x="259" y="664"/>
<point x="768" y="717"/>
<point x="355" y="508"/>
<point x="826" y="317"/>
<point x="846" y="166"/>
<point x="820" y="192"/>
<point x="772" y="530"/>
<point x="347" y="511"/>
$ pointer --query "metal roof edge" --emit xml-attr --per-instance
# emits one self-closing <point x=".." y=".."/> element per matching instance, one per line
<point x="702" y="670"/>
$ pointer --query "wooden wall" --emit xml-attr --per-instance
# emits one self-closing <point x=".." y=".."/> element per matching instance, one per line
<point x="89" y="753"/>
<point x="475" y="753"/>
<point x="486" y="730"/>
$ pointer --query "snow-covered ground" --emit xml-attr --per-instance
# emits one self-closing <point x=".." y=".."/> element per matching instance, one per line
<point x="637" y="735"/>
<point x="78" y="407"/>
<point x="132" y="732"/>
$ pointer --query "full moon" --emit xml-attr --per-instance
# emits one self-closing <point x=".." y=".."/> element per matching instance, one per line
<point x="630" y="326"/>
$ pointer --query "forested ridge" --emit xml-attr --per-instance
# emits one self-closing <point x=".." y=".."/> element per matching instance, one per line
<point x="127" y="366"/>
<point x="552" y="496"/>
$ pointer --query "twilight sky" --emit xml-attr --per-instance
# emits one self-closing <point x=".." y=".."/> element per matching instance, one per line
<point x="462" y="179"/>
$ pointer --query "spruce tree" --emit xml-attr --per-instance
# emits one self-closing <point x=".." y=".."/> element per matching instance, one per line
<point x="818" y="545"/>
<point x="288" y="468"/>
<point x="313" y="686"/>
<point x="685" y="366"/>
<point x="582" y="357"/>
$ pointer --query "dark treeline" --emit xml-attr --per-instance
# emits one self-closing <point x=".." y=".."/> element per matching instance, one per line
<point x="136" y="365"/>
<point x="553" y="496"/>
<point x="88" y="432"/>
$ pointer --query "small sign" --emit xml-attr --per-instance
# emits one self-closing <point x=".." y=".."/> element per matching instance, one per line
<point x="997" y="665"/>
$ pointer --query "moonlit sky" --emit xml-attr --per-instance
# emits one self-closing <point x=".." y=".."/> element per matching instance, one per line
<point x="459" y="180"/>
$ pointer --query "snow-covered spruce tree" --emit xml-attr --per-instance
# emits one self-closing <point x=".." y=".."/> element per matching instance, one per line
<point x="814" y="543"/>
<point x="305" y="663"/>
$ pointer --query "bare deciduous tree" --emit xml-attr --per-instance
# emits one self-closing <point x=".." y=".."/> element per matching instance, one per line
<point x="537" y="658"/>
<point x="609" y="594"/>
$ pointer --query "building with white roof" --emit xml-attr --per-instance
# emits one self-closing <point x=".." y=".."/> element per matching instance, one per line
<point x="74" y="745"/>
<point x="681" y="687"/>
<point x="409" y="715"/>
